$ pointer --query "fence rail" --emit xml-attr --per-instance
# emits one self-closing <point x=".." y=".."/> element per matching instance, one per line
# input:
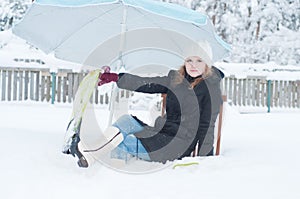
<point x="18" y="84"/>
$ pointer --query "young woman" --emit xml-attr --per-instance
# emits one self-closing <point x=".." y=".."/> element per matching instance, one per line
<point x="192" y="105"/>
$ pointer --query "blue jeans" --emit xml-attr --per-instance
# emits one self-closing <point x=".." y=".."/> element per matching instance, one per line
<point x="130" y="145"/>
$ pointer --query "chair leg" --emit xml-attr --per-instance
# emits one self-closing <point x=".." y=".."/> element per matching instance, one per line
<point x="220" y="126"/>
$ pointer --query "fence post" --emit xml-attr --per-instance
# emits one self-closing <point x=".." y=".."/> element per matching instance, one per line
<point x="3" y="90"/>
<point x="53" y="85"/>
<point x="269" y="96"/>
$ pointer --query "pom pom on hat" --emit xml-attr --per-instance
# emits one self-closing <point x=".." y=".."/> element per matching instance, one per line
<point x="201" y="49"/>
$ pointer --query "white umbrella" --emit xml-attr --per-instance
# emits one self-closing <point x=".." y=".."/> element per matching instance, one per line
<point x="118" y="32"/>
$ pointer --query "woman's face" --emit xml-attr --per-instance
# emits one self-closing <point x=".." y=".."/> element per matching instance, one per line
<point x="194" y="66"/>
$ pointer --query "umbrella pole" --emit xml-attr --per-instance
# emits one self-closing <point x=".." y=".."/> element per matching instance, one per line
<point x="113" y="97"/>
<point x="120" y="64"/>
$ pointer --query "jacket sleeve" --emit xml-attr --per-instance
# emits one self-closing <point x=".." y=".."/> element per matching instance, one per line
<point x="144" y="84"/>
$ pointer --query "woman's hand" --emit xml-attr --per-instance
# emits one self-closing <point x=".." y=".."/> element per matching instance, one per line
<point x="107" y="77"/>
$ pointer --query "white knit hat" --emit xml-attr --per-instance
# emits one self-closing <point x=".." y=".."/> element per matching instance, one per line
<point x="201" y="49"/>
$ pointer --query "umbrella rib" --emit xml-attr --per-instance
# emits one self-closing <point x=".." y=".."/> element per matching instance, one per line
<point x="149" y="18"/>
<point x="93" y="19"/>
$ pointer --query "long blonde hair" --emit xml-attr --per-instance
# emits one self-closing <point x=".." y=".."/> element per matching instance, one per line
<point x="182" y="73"/>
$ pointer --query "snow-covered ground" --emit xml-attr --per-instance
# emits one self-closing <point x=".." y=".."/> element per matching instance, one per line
<point x="259" y="159"/>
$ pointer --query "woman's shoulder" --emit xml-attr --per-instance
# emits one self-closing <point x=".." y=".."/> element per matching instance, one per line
<point x="173" y="73"/>
<point x="217" y="72"/>
<point x="174" y="76"/>
<point x="216" y="76"/>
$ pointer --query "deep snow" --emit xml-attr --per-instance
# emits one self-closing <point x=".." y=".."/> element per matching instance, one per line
<point x="259" y="159"/>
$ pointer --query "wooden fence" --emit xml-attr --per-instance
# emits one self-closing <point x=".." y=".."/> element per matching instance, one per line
<point x="18" y="84"/>
<point x="259" y="91"/>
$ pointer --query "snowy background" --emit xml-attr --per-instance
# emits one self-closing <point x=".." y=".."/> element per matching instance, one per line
<point x="259" y="151"/>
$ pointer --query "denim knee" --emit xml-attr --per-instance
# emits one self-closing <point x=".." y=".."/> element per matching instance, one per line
<point x="128" y="125"/>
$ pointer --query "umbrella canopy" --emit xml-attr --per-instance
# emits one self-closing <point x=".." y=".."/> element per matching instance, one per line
<point x="16" y="52"/>
<point x="139" y="35"/>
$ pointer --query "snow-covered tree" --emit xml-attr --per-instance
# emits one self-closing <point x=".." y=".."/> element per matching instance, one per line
<point x="11" y="11"/>
<point x="259" y="30"/>
<point x="269" y="39"/>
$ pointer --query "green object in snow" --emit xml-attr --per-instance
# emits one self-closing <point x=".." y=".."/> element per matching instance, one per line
<point x="185" y="164"/>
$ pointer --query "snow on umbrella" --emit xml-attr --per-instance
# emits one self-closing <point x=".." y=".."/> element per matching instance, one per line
<point x="146" y="35"/>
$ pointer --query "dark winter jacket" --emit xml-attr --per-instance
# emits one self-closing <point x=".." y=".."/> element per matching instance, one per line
<point x="190" y="114"/>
